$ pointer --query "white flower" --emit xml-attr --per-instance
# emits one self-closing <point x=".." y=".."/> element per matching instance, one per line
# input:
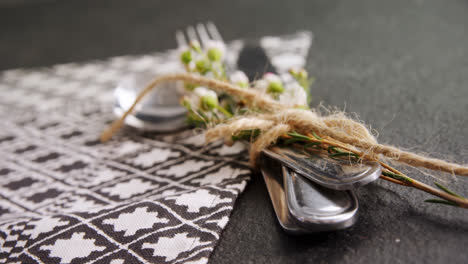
<point x="201" y="91"/>
<point x="239" y="78"/>
<point x="261" y="85"/>
<point x="271" y="78"/>
<point x="294" y="95"/>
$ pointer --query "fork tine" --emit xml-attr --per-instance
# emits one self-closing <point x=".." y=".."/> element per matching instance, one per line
<point x="181" y="40"/>
<point x="192" y="35"/>
<point x="204" y="37"/>
<point x="213" y="30"/>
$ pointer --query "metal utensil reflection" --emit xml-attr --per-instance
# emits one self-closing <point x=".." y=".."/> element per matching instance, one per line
<point x="302" y="206"/>
<point x="160" y="111"/>
<point x="335" y="174"/>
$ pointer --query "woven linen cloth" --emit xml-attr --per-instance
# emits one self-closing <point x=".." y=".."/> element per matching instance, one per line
<point x="140" y="198"/>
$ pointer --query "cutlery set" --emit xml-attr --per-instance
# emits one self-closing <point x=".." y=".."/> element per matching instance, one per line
<point x="302" y="206"/>
<point x="309" y="193"/>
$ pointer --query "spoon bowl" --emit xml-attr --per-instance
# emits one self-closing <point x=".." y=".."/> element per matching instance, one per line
<point x="159" y="111"/>
<point x="303" y="207"/>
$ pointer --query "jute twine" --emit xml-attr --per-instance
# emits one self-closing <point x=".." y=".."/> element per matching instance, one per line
<point x="277" y="119"/>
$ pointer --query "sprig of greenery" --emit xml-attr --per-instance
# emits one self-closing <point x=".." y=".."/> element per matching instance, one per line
<point x="246" y="135"/>
<point x="447" y="190"/>
<point x="336" y="150"/>
<point x="439" y="201"/>
<point x="206" y="62"/>
<point x="298" y="136"/>
<point x="397" y="177"/>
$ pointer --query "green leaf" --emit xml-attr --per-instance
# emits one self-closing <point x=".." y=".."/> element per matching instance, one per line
<point x="438" y="201"/>
<point x="246" y="135"/>
<point x="202" y="115"/>
<point x="224" y="111"/>
<point x="397" y="176"/>
<point x="316" y="136"/>
<point x="330" y="149"/>
<point x="445" y="189"/>
<point x="298" y="136"/>
<point x="195" y="120"/>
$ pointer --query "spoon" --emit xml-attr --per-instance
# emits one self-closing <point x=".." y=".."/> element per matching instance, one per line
<point x="160" y="111"/>
<point x="335" y="174"/>
<point x="302" y="206"/>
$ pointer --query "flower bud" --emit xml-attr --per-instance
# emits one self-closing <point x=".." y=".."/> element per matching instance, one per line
<point x="203" y="66"/>
<point x="215" y="50"/>
<point x="186" y="57"/>
<point x="293" y="72"/>
<point x="207" y="98"/>
<point x="275" y="87"/>
<point x="214" y="54"/>
<point x="208" y="102"/>
<point x="302" y="74"/>
<point x="189" y="86"/>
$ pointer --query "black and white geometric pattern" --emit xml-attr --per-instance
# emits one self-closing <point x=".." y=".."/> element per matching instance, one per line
<point x="141" y="198"/>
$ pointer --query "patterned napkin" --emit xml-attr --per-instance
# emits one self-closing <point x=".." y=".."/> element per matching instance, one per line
<point x="141" y="198"/>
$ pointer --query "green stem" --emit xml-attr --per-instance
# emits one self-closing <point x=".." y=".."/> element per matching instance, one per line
<point x="224" y="111"/>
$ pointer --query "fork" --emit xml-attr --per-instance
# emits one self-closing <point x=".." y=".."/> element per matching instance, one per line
<point x="161" y="111"/>
<point x="331" y="176"/>
<point x="320" y="170"/>
<point x="203" y="33"/>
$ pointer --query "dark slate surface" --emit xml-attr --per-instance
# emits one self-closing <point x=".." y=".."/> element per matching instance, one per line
<point x="401" y="65"/>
